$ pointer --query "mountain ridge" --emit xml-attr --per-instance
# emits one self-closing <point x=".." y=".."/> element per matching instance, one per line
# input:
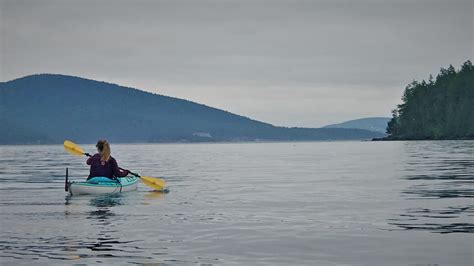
<point x="377" y="124"/>
<point x="48" y="108"/>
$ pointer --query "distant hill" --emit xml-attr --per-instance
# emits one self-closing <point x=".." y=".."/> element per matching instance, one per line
<point x="377" y="124"/>
<point x="49" y="108"/>
<point x="441" y="108"/>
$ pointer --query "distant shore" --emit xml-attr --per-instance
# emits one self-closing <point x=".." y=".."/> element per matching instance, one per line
<point x="410" y="139"/>
<point x="197" y="142"/>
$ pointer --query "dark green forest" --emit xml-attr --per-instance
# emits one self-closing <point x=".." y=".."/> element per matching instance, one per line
<point x="441" y="108"/>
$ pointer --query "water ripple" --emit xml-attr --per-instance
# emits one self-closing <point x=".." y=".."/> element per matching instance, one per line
<point x="315" y="203"/>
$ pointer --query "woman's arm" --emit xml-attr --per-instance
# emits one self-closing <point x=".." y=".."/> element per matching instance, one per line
<point x="116" y="169"/>
<point x="90" y="159"/>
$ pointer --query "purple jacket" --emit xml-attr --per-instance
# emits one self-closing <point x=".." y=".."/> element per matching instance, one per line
<point x="108" y="169"/>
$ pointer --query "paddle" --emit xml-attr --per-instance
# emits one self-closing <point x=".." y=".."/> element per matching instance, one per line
<point x="153" y="182"/>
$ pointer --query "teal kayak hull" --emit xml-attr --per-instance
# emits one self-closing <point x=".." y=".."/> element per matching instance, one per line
<point x="106" y="186"/>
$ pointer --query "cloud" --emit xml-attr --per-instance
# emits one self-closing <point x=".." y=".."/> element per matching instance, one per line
<point x="288" y="58"/>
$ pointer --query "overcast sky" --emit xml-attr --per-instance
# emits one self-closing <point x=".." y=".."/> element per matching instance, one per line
<point x="291" y="63"/>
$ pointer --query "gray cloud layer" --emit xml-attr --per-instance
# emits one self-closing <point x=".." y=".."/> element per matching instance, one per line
<point x="304" y="63"/>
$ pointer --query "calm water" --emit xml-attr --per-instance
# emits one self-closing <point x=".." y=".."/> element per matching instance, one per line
<point x="319" y="203"/>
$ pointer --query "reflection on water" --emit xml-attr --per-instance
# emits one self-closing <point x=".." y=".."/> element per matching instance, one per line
<point x="103" y="212"/>
<point x="107" y="201"/>
<point x="96" y="201"/>
<point x="104" y="242"/>
<point x="107" y="243"/>
<point x="439" y="171"/>
<point x="434" y="220"/>
<point x="318" y="203"/>
<point x="446" y="190"/>
<point x="70" y="248"/>
<point x="154" y="194"/>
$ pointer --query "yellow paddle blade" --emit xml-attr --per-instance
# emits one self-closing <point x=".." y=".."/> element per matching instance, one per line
<point x="153" y="182"/>
<point x="73" y="148"/>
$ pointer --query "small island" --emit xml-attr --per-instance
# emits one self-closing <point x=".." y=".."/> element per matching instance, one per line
<point x="437" y="109"/>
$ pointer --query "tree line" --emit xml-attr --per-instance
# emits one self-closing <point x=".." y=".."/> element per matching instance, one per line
<point x="441" y="108"/>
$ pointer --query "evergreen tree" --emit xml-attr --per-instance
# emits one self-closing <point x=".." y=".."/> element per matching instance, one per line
<point x="437" y="109"/>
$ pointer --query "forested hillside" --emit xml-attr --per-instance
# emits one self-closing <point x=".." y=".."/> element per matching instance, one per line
<point x="50" y="108"/>
<point x="441" y="108"/>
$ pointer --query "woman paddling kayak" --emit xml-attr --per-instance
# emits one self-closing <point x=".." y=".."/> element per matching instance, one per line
<point x="102" y="184"/>
<point x="102" y="164"/>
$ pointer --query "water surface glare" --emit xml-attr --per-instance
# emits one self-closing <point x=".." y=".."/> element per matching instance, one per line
<point x="312" y="203"/>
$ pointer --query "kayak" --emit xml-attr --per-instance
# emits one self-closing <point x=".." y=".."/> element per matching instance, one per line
<point x="102" y="185"/>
